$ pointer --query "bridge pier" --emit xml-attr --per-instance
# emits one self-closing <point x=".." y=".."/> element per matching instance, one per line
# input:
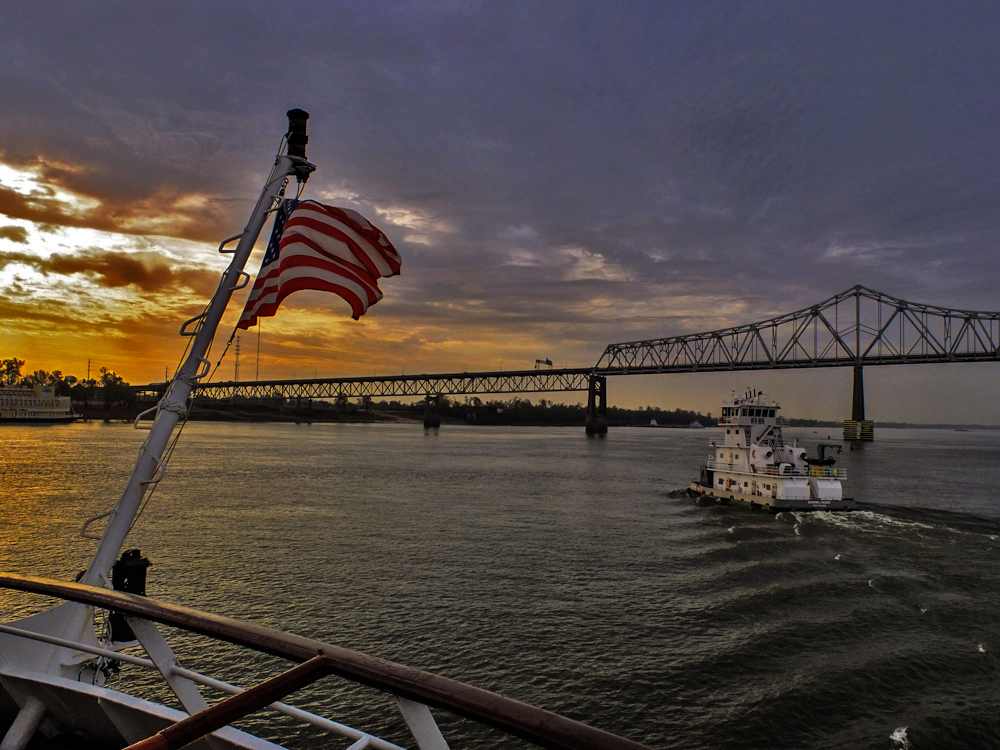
<point x="597" y="405"/>
<point x="857" y="427"/>
<point x="431" y="416"/>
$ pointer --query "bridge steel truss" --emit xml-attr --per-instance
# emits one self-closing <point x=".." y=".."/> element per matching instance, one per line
<point x="857" y="327"/>
<point x="522" y="381"/>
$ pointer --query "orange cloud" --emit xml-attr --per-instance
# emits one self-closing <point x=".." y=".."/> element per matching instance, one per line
<point x="14" y="234"/>
<point x="116" y="269"/>
<point x="169" y="212"/>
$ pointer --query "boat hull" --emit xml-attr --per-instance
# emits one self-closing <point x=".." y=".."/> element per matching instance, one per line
<point x="771" y="504"/>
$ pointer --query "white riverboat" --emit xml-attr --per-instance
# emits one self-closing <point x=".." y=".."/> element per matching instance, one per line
<point x="54" y="664"/>
<point x="37" y="403"/>
<point x="755" y="465"/>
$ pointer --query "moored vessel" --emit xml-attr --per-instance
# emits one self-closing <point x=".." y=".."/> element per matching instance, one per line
<point x="755" y="465"/>
<point x="36" y="403"/>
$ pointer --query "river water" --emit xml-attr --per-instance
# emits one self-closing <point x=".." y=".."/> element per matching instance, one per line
<point x="563" y="571"/>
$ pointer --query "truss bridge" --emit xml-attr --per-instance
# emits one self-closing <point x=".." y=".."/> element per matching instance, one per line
<point x="856" y="327"/>
<point x="519" y="381"/>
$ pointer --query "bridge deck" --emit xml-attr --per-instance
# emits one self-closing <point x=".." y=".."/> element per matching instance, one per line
<point x="857" y="327"/>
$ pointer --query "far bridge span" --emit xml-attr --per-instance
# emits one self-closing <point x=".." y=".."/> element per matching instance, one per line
<point x="383" y="386"/>
<point x="855" y="328"/>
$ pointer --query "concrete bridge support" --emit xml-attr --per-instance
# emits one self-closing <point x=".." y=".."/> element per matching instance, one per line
<point x="597" y="406"/>
<point x="431" y="416"/>
<point x="857" y="427"/>
<point x="858" y="400"/>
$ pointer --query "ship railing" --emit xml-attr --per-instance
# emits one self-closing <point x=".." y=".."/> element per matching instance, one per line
<point x="782" y="470"/>
<point x="416" y="691"/>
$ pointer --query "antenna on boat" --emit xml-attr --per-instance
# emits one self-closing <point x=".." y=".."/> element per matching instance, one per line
<point x="259" y="326"/>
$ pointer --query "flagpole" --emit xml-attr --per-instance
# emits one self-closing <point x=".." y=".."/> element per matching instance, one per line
<point x="149" y="466"/>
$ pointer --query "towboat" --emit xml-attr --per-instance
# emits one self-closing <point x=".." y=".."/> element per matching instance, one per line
<point x="56" y="666"/>
<point x="756" y="466"/>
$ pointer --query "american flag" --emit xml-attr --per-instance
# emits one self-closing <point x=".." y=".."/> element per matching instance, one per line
<point x="313" y="246"/>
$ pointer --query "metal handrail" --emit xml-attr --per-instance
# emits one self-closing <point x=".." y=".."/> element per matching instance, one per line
<point x="772" y="470"/>
<point x="201" y="679"/>
<point x="530" y="723"/>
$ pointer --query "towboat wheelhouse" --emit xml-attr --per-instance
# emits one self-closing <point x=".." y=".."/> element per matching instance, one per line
<point x="754" y="464"/>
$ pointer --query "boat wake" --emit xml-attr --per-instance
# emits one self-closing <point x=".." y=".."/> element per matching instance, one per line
<point x="683" y="492"/>
<point x="956" y="521"/>
<point x="885" y="519"/>
<point x="866" y="521"/>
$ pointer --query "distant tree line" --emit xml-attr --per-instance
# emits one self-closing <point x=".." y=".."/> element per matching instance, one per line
<point x="521" y="411"/>
<point x="471" y="409"/>
<point x="114" y="390"/>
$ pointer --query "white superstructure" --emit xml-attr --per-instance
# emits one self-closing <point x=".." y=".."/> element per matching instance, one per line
<point x="38" y="403"/>
<point x="754" y="464"/>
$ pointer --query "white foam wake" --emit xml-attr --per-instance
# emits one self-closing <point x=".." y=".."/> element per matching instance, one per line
<point x="866" y="521"/>
<point x="899" y="737"/>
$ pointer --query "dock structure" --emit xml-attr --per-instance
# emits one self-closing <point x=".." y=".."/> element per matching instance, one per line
<point x="432" y="418"/>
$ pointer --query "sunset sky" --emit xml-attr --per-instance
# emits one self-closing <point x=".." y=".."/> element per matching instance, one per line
<point x="556" y="176"/>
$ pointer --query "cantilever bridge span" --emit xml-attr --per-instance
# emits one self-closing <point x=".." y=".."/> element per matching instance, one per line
<point x="855" y="328"/>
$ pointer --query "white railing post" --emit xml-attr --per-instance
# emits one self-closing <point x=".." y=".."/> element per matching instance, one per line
<point x="422" y="725"/>
<point x="156" y="646"/>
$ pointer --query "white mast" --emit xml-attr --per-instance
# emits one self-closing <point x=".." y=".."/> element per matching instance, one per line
<point x="173" y="405"/>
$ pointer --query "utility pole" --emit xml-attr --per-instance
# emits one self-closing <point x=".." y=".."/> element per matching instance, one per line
<point x="236" y="375"/>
